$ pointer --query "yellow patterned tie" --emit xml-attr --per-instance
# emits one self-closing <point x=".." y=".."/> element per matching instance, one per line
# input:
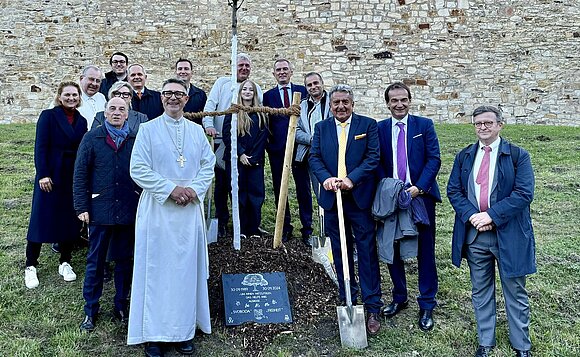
<point x="342" y="152"/>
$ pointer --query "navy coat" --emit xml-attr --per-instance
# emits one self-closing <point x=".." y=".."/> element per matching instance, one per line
<point x="252" y="144"/>
<point x="511" y="194"/>
<point x="102" y="183"/>
<point x="279" y="123"/>
<point x="53" y="218"/>
<point x="422" y="149"/>
<point x="362" y="158"/>
<point x="149" y="104"/>
<point x="196" y="102"/>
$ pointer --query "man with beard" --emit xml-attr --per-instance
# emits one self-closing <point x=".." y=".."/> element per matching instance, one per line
<point x="92" y="101"/>
<point x="145" y="100"/>
<point x="119" y="62"/>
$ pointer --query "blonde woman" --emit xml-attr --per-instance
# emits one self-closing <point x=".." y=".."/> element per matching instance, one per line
<point x="252" y="138"/>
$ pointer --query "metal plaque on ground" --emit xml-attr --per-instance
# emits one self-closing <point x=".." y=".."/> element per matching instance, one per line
<point x="258" y="297"/>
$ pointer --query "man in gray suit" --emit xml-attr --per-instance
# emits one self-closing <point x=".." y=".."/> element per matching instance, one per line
<point x="491" y="187"/>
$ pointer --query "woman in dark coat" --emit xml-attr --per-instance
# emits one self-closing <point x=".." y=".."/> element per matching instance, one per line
<point x="252" y="138"/>
<point x="53" y="219"/>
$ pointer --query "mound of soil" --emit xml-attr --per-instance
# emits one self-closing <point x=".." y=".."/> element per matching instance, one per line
<point x="311" y="292"/>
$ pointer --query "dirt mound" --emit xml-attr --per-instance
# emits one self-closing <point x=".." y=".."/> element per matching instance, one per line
<point x="311" y="292"/>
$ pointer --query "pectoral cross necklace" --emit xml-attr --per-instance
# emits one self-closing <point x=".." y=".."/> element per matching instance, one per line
<point x="180" y="142"/>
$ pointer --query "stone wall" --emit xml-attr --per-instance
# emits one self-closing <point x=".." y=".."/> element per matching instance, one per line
<point x="456" y="54"/>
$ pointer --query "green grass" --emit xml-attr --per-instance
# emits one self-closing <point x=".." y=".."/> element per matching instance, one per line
<point x="44" y="321"/>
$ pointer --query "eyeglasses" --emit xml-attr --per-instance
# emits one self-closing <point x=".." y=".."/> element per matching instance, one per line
<point x="168" y="94"/>
<point x="124" y="95"/>
<point x="487" y="124"/>
<point x="118" y="62"/>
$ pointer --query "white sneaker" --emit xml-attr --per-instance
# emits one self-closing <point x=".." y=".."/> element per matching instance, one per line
<point x="30" y="278"/>
<point x="66" y="271"/>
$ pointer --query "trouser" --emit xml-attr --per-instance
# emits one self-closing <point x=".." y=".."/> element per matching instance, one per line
<point x="251" y="198"/>
<point x="222" y="190"/>
<point x="361" y="224"/>
<point x="33" y="252"/>
<point x="303" y="191"/>
<point x="427" y="269"/>
<point x="121" y="239"/>
<point x="481" y="257"/>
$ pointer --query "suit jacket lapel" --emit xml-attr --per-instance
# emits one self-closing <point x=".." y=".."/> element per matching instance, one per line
<point x="354" y="123"/>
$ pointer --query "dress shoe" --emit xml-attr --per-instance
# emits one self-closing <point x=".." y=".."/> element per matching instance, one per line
<point x="307" y="240"/>
<point x="55" y="248"/>
<point x="394" y="308"/>
<point x="121" y="315"/>
<point x="426" y="319"/>
<point x="373" y="323"/>
<point x="88" y="324"/>
<point x="185" y="347"/>
<point x="286" y="236"/>
<point x="483" y="351"/>
<point x="522" y="353"/>
<point x="153" y="349"/>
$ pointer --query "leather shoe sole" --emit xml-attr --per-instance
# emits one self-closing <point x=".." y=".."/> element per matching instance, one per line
<point x="426" y="322"/>
<point x="373" y="324"/>
<point x="394" y="308"/>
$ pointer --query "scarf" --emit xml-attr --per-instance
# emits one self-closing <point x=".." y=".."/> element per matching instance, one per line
<point x="118" y="135"/>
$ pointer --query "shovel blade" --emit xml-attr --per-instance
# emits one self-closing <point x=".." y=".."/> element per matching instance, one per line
<point x="351" y="323"/>
<point x="212" y="231"/>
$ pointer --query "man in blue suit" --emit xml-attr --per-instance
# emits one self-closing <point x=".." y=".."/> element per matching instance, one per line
<point x="410" y="153"/>
<point x="281" y="97"/>
<point x="491" y="187"/>
<point x="357" y="183"/>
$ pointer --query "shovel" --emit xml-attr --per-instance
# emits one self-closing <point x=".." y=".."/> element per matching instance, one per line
<point x="321" y="250"/>
<point x="211" y="223"/>
<point x="351" y="319"/>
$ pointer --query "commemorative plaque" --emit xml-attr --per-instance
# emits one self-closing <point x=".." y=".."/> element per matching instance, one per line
<point x="258" y="297"/>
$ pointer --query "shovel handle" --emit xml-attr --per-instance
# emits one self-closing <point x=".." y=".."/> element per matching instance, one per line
<point x="343" y="248"/>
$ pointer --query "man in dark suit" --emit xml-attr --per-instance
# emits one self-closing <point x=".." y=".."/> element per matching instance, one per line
<point x="410" y="153"/>
<point x="281" y="97"/>
<point x="491" y="187"/>
<point x="119" y="62"/>
<point x="352" y="171"/>
<point x="145" y="100"/>
<point x="197" y="97"/>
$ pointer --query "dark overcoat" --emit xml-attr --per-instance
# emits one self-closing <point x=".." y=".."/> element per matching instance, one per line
<point x="53" y="218"/>
<point x="511" y="195"/>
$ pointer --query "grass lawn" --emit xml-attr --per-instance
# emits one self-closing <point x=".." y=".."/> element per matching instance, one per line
<point x="44" y="321"/>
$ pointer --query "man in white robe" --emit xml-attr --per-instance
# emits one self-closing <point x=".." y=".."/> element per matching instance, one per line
<point x="173" y="162"/>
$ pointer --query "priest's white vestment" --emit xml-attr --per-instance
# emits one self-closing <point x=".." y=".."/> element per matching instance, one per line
<point x="169" y="295"/>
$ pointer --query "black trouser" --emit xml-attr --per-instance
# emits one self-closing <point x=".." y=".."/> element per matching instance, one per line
<point x="33" y="252"/>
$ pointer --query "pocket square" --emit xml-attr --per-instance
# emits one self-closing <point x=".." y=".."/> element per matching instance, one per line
<point x="418" y="135"/>
<point x="360" y="136"/>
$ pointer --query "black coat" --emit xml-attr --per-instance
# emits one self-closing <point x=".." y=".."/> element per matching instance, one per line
<point x="196" y="102"/>
<point x="107" y="83"/>
<point x="102" y="183"/>
<point x="53" y="218"/>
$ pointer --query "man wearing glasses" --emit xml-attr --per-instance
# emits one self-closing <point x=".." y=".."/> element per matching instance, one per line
<point x="92" y="101"/>
<point x="173" y="162"/>
<point x="124" y="91"/>
<point x="491" y="187"/>
<point x="119" y="62"/>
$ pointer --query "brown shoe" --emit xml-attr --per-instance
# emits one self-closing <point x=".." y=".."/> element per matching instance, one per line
<point x="373" y="323"/>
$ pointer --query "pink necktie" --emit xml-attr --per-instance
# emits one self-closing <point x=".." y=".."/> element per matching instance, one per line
<point x="401" y="153"/>
<point x="286" y="97"/>
<point x="483" y="180"/>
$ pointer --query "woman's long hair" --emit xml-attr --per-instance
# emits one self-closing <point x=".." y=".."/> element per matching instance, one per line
<point x="244" y="120"/>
